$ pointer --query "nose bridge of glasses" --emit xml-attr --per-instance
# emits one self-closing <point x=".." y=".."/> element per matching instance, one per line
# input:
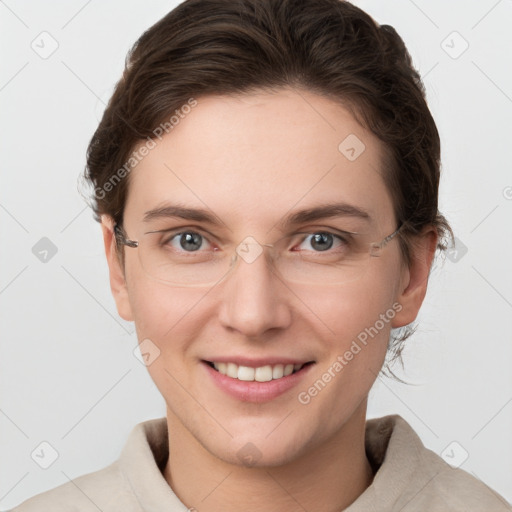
<point x="251" y="254"/>
<point x="249" y="250"/>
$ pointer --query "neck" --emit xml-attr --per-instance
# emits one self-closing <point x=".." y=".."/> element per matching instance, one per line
<point x="327" y="478"/>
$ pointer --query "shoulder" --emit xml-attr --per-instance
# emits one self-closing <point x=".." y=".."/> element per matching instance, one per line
<point x="135" y="476"/>
<point x="105" y="490"/>
<point x="411" y="477"/>
<point x="453" y="489"/>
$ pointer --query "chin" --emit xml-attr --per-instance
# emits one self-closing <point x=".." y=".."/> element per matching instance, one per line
<point x="262" y="443"/>
<point x="247" y="454"/>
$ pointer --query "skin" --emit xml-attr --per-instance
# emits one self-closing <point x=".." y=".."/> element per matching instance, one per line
<point x="252" y="159"/>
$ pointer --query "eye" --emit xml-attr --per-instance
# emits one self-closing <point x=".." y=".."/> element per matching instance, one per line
<point x="323" y="241"/>
<point x="189" y="241"/>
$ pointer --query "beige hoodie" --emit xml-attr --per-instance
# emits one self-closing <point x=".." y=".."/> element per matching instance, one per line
<point x="409" y="478"/>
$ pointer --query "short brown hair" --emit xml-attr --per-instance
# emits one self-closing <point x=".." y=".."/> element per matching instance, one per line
<point x="329" y="47"/>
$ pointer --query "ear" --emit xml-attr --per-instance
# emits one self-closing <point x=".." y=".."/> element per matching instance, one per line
<point x="117" y="279"/>
<point x="413" y="286"/>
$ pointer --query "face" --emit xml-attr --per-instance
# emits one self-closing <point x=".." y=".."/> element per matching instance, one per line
<point x="251" y="162"/>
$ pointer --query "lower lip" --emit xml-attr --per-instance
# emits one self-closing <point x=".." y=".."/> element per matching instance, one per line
<point x="252" y="391"/>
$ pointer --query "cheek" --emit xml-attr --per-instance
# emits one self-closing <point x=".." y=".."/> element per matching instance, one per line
<point x="162" y="313"/>
<point x="359" y="318"/>
<point x="166" y="323"/>
<point x="355" y="308"/>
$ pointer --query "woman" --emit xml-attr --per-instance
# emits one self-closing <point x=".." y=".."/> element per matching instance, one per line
<point x="266" y="177"/>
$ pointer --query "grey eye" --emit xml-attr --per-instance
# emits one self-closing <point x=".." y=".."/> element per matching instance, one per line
<point x="189" y="241"/>
<point x="322" y="241"/>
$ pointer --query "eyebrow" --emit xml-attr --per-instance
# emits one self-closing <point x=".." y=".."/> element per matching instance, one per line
<point x="325" y="211"/>
<point x="298" y="217"/>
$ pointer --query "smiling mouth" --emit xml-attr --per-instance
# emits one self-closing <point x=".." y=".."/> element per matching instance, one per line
<point x="260" y="374"/>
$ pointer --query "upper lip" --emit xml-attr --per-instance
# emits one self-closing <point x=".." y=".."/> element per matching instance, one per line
<point x="257" y="362"/>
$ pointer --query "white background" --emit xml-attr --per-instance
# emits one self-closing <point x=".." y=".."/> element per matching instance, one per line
<point x="68" y="375"/>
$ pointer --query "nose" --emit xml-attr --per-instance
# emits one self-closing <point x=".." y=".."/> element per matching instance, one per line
<point x="254" y="299"/>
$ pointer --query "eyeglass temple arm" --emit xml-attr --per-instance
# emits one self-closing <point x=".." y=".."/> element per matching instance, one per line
<point x="391" y="236"/>
<point x="121" y="238"/>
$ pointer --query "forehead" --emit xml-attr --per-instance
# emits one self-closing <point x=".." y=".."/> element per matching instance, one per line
<point x="253" y="158"/>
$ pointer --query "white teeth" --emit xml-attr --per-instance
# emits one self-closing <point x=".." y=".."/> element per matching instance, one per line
<point x="288" y="369"/>
<point x="278" y="371"/>
<point x="261" y="374"/>
<point x="231" y="370"/>
<point x="245" y="373"/>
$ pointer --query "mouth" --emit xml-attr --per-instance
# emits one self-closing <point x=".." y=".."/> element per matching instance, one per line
<point x="264" y="373"/>
<point x="256" y="380"/>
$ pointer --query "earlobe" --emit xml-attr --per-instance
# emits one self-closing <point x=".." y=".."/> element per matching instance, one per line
<point x="415" y="277"/>
<point x="116" y="273"/>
